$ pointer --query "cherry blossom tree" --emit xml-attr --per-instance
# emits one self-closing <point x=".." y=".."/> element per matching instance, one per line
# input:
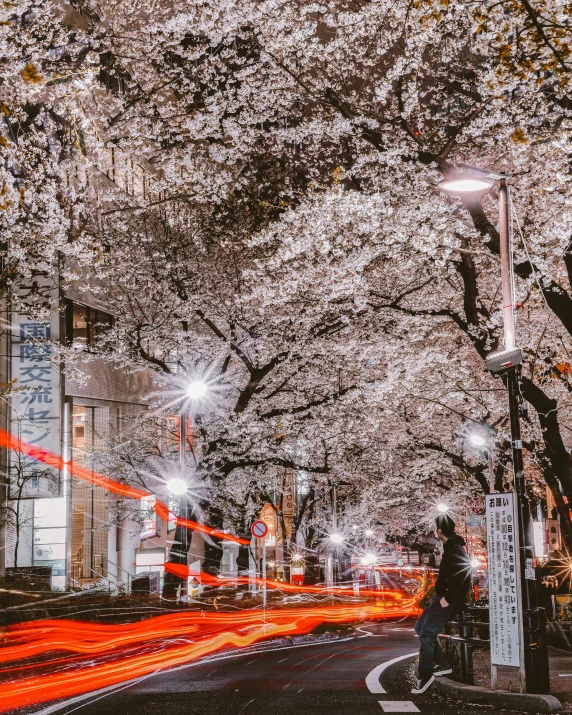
<point x="296" y="247"/>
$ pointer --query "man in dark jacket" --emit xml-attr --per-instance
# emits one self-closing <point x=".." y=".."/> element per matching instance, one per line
<point x="451" y="589"/>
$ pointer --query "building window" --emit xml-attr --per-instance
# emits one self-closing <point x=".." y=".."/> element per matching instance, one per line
<point x="86" y="325"/>
<point x="80" y="435"/>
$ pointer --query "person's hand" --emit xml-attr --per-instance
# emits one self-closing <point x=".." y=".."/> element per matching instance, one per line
<point x="443" y="602"/>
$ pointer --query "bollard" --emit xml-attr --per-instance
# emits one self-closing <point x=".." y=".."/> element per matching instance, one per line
<point x="467" y="674"/>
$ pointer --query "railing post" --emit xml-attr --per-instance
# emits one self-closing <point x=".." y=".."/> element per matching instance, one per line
<point x="467" y="675"/>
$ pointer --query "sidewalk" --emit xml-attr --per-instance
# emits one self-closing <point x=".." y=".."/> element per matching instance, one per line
<point x="507" y="681"/>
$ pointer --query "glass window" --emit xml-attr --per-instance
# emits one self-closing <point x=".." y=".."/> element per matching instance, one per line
<point x="79" y="419"/>
<point x="88" y="324"/>
<point x="80" y="325"/>
<point x="101" y="321"/>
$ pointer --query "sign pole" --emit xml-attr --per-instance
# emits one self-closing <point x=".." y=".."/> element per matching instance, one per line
<point x="264" y="577"/>
<point x="259" y="530"/>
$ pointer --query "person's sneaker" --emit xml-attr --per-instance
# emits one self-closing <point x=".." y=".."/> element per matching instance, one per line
<point x="422" y="685"/>
<point x="442" y="670"/>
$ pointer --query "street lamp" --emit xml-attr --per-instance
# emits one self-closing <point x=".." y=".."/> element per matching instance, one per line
<point x="505" y="364"/>
<point x="443" y="508"/>
<point x="177" y="486"/>
<point x="479" y="441"/>
<point x="196" y="390"/>
<point x="336" y="538"/>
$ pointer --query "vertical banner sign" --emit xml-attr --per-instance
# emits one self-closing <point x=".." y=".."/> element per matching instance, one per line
<point x="288" y="500"/>
<point x="148" y="517"/>
<point x="504" y="596"/>
<point x="36" y="403"/>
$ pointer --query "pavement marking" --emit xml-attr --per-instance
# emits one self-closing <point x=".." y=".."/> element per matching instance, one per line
<point x="369" y="633"/>
<point x="565" y="675"/>
<point x="372" y="680"/>
<point x="283" y="659"/>
<point x="398" y="706"/>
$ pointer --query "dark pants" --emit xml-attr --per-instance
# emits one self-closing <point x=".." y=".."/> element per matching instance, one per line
<point x="430" y="623"/>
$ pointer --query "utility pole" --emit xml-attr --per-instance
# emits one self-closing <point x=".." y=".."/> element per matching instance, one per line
<point x="511" y="379"/>
<point x="506" y="364"/>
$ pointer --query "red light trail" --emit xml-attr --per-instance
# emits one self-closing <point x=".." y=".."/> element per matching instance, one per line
<point x="208" y="580"/>
<point x="111" y="485"/>
<point x="87" y="656"/>
<point x="134" y="650"/>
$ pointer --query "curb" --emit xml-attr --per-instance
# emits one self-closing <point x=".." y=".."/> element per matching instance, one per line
<point x="521" y="702"/>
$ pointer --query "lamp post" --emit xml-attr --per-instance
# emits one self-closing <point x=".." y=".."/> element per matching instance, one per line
<point x="506" y="364"/>
<point x="336" y="540"/>
<point x="479" y="441"/>
<point x="178" y="486"/>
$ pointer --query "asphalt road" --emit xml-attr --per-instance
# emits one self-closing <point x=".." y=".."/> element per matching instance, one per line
<point x="328" y="678"/>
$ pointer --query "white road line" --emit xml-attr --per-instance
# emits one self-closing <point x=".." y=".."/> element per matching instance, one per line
<point x="368" y="633"/>
<point x="565" y="675"/>
<point x="398" y="706"/>
<point x="372" y="680"/>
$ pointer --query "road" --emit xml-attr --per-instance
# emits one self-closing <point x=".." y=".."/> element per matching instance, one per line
<point x="302" y="680"/>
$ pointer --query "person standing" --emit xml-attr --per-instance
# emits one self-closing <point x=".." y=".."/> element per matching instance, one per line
<point x="451" y="588"/>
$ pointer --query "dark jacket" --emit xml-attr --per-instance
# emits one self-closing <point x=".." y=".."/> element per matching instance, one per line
<point x="454" y="572"/>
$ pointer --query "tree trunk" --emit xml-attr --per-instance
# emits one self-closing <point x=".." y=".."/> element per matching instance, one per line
<point x="311" y="559"/>
<point x="213" y="545"/>
<point x="556" y="453"/>
<point x="561" y="506"/>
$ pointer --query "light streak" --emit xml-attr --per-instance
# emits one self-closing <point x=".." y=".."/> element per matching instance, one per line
<point x="183" y="572"/>
<point x="111" y="485"/>
<point x="138" y="649"/>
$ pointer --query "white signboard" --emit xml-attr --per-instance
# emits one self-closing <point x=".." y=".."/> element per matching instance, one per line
<point x="504" y="596"/>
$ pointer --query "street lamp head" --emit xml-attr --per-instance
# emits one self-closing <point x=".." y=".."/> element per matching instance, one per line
<point x="368" y="559"/>
<point x="336" y="538"/>
<point x="465" y="185"/>
<point x="478" y="440"/>
<point x="443" y="508"/>
<point x="467" y="179"/>
<point x="196" y="390"/>
<point x="475" y="563"/>
<point x="177" y="486"/>
<point x="369" y="532"/>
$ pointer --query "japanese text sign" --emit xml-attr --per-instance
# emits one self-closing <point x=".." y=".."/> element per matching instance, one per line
<point x="504" y="595"/>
